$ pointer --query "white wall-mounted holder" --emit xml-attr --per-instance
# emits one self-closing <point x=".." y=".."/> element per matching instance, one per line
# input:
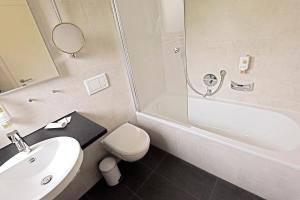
<point x="242" y="87"/>
<point x="56" y="91"/>
<point x="244" y="63"/>
<point x="30" y="100"/>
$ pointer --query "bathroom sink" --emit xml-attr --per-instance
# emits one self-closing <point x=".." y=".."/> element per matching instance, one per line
<point x="44" y="172"/>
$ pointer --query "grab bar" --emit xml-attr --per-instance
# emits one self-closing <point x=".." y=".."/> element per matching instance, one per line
<point x="242" y="87"/>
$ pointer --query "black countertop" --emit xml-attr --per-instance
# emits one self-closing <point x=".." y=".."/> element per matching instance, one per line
<point x="82" y="129"/>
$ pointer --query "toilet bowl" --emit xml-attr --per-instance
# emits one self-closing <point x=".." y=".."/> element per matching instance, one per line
<point x="127" y="142"/>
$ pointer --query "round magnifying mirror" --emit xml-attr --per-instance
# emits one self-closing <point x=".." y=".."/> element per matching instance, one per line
<point x="68" y="38"/>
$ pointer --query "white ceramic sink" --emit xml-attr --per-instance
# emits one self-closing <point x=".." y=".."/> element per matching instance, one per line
<point x="21" y="177"/>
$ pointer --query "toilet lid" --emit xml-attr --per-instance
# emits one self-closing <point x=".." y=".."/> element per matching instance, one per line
<point x="127" y="140"/>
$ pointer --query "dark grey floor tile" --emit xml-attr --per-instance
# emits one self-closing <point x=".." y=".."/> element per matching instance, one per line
<point x="134" y="174"/>
<point x="173" y="179"/>
<point x="84" y="197"/>
<point x="188" y="177"/>
<point x="159" y="188"/>
<point x="249" y="196"/>
<point x="135" y="197"/>
<point x="227" y="191"/>
<point x="153" y="157"/>
<point x="102" y="191"/>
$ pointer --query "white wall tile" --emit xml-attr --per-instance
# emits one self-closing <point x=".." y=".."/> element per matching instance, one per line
<point x="218" y="33"/>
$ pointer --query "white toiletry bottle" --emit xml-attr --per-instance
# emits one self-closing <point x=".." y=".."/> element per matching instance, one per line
<point x="5" y="122"/>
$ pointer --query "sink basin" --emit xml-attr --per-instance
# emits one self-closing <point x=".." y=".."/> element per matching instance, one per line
<point x="44" y="172"/>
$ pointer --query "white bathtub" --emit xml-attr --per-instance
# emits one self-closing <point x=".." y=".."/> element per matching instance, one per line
<point x="256" y="149"/>
<point x="259" y="127"/>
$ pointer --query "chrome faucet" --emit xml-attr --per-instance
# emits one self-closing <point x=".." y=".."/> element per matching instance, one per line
<point x="20" y="143"/>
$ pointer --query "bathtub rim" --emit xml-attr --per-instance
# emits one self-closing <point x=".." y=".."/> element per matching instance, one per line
<point x="244" y="147"/>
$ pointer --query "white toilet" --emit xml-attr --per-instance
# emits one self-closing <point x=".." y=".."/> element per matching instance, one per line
<point x="127" y="142"/>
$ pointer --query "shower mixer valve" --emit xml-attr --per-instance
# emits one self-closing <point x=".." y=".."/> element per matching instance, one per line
<point x="211" y="80"/>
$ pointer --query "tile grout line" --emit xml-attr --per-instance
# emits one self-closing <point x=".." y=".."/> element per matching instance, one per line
<point x="154" y="172"/>
<point x="213" y="189"/>
<point x="150" y="174"/>
<point x="159" y="163"/>
<point x="135" y="195"/>
<point x="147" y="178"/>
<point x="177" y="186"/>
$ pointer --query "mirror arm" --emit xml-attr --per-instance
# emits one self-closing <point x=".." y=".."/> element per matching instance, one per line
<point x="57" y="11"/>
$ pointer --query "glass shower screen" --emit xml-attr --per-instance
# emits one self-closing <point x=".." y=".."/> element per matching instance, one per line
<point x="153" y="38"/>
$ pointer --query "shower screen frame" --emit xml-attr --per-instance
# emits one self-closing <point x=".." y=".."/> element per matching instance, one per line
<point x="125" y="53"/>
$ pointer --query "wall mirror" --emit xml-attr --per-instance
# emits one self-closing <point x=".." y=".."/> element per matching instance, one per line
<point x="66" y="36"/>
<point x="24" y="57"/>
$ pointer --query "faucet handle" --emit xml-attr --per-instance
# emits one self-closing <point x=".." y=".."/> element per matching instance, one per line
<point x="13" y="136"/>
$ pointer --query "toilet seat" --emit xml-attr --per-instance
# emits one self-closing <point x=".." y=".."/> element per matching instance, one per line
<point x="128" y="142"/>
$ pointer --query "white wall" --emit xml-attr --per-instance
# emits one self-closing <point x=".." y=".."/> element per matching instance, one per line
<point x="219" y="32"/>
<point x="110" y="108"/>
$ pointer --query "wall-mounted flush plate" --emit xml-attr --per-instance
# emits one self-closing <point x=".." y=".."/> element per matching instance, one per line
<point x="96" y="84"/>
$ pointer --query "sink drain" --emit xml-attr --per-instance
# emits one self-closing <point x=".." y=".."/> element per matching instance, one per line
<point x="31" y="160"/>
<point x="46" y="180"/>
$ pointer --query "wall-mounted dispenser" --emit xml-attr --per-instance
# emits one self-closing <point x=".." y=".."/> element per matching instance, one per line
<point x="4" y="118"/>
<point x="244" y="63"/>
